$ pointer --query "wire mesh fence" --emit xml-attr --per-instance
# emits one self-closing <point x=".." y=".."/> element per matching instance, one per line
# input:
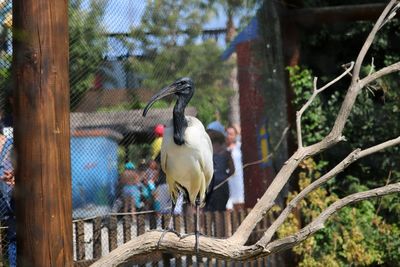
<point x="7" y="218"/>
<point x="121" y="53"/>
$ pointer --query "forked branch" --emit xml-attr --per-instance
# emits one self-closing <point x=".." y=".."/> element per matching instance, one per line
<point x="351" y="158"/>
<point x="223" y="249"/>
<point x="316" y="91"/>
<point x="318" y="223"/>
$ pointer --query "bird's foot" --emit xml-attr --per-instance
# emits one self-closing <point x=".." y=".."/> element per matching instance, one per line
<point x="164" y="232"/>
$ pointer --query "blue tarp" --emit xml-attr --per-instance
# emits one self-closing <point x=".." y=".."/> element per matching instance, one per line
<point x="94" y="170"/>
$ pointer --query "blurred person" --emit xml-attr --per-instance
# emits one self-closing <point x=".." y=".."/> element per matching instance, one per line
<point x="156" y="144"/>
<point x="236" y="184"/>
<point x="223" y="168"/>
<point x="131" y="188"/>
<point x="7" y="182"/>
<point x="152" y="171"/>
<point x="148" y="174"/>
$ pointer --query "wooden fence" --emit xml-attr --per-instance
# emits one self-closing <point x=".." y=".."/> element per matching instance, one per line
<point x="95" y="237"/>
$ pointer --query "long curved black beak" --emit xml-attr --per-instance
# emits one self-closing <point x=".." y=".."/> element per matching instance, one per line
<point x="169" y="90"/>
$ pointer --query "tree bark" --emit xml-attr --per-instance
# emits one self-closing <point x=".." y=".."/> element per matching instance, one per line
<point x="42" y="133"/>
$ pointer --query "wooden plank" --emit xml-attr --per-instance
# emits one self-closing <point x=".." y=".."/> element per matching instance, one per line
<point x="189" y="224"/>
<point x="141" y="228"/>
<point x="228" y="223"/>
<point x="189" y="220"/>
<point x="42" y="133"/>
<point x="209" y="223"/>
<point x="219" y="229"/>
<point x="177" y="227"/>
<point x="219" y="224"/>
<point x="165" y="220"/>
<point x="178" y="223"/>
<point x="96" y="238"/>
<point x="112" y="233"/>
<point x="166" y="259"/>
<point x="235" y="220"/>
<point x="260" y="262"/>
<point x="126" y="227"/>
<point x="80" y="240"/>
<point x="153" y="220"/>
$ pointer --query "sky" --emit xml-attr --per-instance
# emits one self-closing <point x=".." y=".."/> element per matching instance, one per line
<point x="123" y="14"/>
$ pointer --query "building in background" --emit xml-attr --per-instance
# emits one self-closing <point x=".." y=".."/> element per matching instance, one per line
<point x="262" y="111"/>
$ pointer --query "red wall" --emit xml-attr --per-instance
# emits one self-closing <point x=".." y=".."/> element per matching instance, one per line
<point x="257" y="177"/>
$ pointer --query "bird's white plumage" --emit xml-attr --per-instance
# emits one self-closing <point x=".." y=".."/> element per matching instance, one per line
<point x="189" y="165"/>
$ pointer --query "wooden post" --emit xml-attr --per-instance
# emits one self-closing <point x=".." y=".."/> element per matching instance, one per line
<point x="97" y="249"/>
<point x="112" y="233"/>
<point x="80" y="240"/>
<point x="42" y="133"/>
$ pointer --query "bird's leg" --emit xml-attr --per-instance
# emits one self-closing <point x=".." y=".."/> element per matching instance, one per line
<point x="170" y="227"/>
<point x="196" y="231"/>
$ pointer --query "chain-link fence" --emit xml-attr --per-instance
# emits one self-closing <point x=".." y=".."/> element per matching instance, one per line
<point x="121" y="53"/>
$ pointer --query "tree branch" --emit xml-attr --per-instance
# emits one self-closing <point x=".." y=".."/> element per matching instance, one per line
<point x="367" y="44"/>
<point x="318" y="223"/>
<point x="380" y="73"/>
<point x="352" y="157"/>
<point x="316" y="91"/>
<point x="224" y="249"/>
<point x="266" y="202"/>
<point x="233" y="248"/>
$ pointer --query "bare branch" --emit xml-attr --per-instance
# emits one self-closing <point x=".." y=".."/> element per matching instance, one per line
<point x="233" y="247"/>
<point x="224" y="249"/>
<point x="147" y="244"/>
<point x="380" y="73"/>
<point x="316" y="91"/>
<point x="352" y="157"/>
<point x="270" y="155"/>
<point x="379" y="23"/>
<point x="318" y="223"/>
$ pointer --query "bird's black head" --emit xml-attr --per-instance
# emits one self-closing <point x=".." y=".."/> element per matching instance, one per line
<point x="182" y="88"/>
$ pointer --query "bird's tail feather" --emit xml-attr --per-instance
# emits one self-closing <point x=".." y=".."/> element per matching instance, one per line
<point x="210" y="190"/>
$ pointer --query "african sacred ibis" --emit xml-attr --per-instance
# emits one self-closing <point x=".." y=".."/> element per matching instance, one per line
<point x="186" y="150"/>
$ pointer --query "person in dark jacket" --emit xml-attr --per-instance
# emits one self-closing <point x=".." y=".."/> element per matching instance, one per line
<point x="223" y="169"/>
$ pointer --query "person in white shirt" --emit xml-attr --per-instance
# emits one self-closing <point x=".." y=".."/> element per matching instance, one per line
<point x="236" y="184"/>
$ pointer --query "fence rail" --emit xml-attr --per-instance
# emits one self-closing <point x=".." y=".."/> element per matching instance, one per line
<point x="98" y="236"/>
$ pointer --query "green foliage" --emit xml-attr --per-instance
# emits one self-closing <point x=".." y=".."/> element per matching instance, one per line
<point x="164" y="22"/>
<point x="87" y="45"/>
<point x="355" y="236"/>
<point x="364" y="234"/>
<point x="200" y="62"/>
<point x="373" y="120"/>
<point x="314" y="120"/>
<point x="169" y="54"/>
<point x="242" y="10"/>
<point x="136" y="153"/>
